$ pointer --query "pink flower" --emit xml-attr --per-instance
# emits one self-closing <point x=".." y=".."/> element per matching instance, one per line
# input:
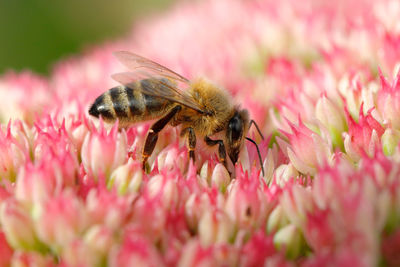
<point x="18" y="227"/>
<point x="289" y="239"/>
<point x="358" y="92"/>
<point x="163" y="188"/>
<point x="390" y="51"/>
<point x="158" y="205"/>
<point x="198" y="204"/>
<point x="73" y="192"/>
<point x="100" y="239"/>
<point x="107" y="208"/>
<point x="6" y="251"/>
<point x="220" y="177"/>
<point x="195" y="254"/>
<point x="31" y="259"/>
<point x="257" y="250"/>
<point x="332" y="118"/>
<point x="38" y="181"/>
<point x="245" y="204"/>
<point x="102" y="152"/>
<point x="52" y="140"/>
<point x="297" y="104"/>
<point x="36" y="184"/>
<point x="388" y="101"/>
<point x="60" y="220"/>
<point x="296" y="202"/>
<point x="390" y="140"/>
<point x="306" y="149"/>
<point x="276" y="219"/>
<point x="362" y="137"/>
<point x="136" y="249"/>
<point x="93" y="250"/>
<point x="13" y="153"/>
<point x="15" y="88"/>
<point x="127" y="178"/>
<point x="172" y="157"/>
<point x="284" y="173"/>
<point x="79" y="253"/>
<point x="363" y="212"/>
<point x="215" y="227"/>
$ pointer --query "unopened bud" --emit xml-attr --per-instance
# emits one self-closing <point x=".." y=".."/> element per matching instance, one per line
<point x="289" y="239"/>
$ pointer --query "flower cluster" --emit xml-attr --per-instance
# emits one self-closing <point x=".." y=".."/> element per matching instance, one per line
<point x="321" y="79"/>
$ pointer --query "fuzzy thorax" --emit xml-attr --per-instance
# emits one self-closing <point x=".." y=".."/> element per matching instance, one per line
<point x="215" y="101"/>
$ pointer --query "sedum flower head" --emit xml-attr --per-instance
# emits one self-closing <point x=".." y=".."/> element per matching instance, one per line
<point x="313" y="75"/>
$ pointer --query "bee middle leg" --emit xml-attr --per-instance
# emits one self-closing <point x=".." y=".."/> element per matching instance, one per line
<point x="191" y="141"/>
<point x="152" y="135"/>
<point x="221" y="148"/>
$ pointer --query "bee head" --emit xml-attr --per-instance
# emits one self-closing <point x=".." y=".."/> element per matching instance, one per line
<point x="236" y="133"/>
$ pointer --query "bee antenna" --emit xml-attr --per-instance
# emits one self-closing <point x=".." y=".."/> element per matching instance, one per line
<point x="258" y="129"/>
<point x="258" y="152"/>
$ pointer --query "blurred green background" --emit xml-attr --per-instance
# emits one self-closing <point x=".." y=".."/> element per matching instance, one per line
<point x="35" y="34"/>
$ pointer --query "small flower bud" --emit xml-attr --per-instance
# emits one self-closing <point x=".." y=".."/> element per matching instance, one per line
<point x="306" y="149"/>
<point x="245" y="204"/>
<point x="289" y="239"/>
<point x="61" y="220"/>
<point x="126" y="178"/>
<point x="194" y="254"/>
<point x="18" y="226"/>
<point x="284" y="173"/>
<point x="269" y="166"/>
<point x="102" y="152"/>
<point x="276" y="220"/>
<point x="165" y="188"/>
<point x="31" y="258"/>
<point x="220" y="177"/>
<point x="205" y="173"/>
<point x="332" y="118"/>
<point x="136" y="250"/>
<point x="215" y="227"/>
<point x="390" y="140"/>
<point x="99" y="239"/>
<point x="172" y="157"/>
<point x="79" y="253"/>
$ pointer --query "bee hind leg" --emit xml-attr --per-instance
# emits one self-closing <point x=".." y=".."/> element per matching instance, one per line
<point x="152" y="135"/>
<point x="221" y="148"/>
<point x="191" y="135"/>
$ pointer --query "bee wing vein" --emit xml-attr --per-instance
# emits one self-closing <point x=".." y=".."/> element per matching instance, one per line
<point x="133" y="61"/>
<point x="159" y="87"/>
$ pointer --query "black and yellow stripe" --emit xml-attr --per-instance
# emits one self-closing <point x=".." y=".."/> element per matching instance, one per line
<point x="129" y="104"/>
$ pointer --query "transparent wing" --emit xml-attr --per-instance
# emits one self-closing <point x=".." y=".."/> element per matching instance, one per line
<point x="134" y="62"/>
<point x="159" y="86"/>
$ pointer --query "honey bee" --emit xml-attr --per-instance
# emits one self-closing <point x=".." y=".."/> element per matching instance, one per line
<point x="152" y="91"/>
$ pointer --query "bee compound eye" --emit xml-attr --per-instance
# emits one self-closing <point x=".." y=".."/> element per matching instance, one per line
<point x="236" y="127"/>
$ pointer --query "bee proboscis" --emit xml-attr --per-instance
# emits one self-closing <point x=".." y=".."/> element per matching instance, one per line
<point x="152" y="91"/>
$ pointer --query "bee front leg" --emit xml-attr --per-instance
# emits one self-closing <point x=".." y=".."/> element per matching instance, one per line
<point x="191" y="141"/>
<point x="221" y="148"/>
<point x="152" y="135"/>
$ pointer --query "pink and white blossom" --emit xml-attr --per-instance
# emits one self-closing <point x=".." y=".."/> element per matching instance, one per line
<point x="320" y="78"/>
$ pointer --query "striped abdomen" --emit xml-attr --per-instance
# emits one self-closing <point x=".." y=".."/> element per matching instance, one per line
<point x="129" y="105"/>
